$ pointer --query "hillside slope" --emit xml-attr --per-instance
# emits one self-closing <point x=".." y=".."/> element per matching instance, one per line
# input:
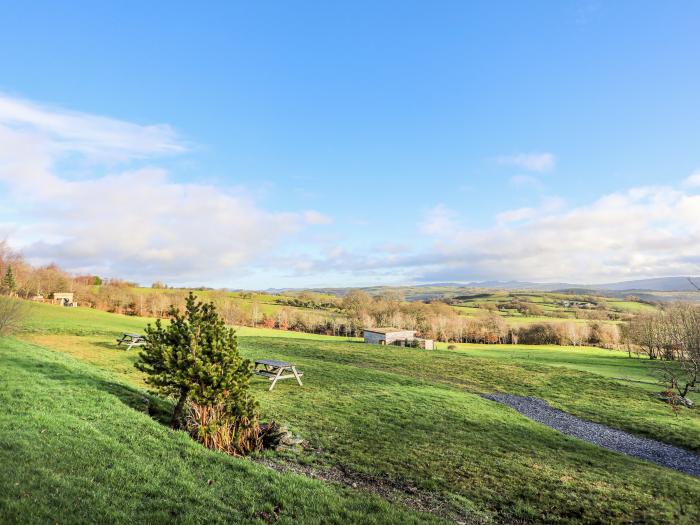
<point x="77" y="447"/>
<point x="401" y="418"/>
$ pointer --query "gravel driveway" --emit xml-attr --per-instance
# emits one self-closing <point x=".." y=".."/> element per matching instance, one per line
<point x="644" y="448"/>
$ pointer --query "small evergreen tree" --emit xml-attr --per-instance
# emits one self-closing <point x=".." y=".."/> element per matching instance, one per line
<point x="195" y="359"/>
<point x="8" y="282"/>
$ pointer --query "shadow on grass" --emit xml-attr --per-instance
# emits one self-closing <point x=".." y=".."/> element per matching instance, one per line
<point x="157" y="408"/>
<point x="109" y="345"/>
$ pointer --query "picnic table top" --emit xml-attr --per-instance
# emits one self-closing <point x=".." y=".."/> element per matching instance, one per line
<point x="273" y="362"/>
<point x="127" y="334"/>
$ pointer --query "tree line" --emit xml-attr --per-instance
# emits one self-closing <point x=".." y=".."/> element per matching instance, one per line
<point x="307" y="311"/>
<point x="672" y="336"/>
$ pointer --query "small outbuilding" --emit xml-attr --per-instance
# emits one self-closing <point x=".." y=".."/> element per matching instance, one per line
<point x="388" y="336"/>
<point x="427" y="344"/>
<point x="64" y="299"/>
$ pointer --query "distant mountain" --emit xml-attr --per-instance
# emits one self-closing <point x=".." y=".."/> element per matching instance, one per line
<point x="659" y="284"/>
<point x="519" y="285"/>
<point x="428" y="291"/>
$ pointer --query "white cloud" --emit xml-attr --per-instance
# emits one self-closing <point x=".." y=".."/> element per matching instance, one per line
<point x="86" y="191"/>
<point x="637" y="233"/>
<point x="64" y="131"/>
<point x="693" y="181"/>
<point x="439" y="219"/>
<point x="642" y="232"/>
<point x="314" y="217"/>
<point x="136" y="223"/>
<point x="539" y="162"/>
<point x="516" y="215"/>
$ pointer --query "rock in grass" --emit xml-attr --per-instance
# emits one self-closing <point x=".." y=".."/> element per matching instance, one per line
<point x="278" y="437"/>
<point x="675" y="400"/>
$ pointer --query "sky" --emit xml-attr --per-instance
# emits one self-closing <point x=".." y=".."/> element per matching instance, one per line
<point x="303" y="144"/>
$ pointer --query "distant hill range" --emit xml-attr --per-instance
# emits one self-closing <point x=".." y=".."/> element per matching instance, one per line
<point x="652" y="290"/>
<point x="658" y="284"/>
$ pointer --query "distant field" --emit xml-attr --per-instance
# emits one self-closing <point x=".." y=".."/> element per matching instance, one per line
<point x="631" y="306"/>
<point x="405" y="415"/>
<point x="472" y="304"/>
<point x="552" y="307"/>
<point x="265" y="303"/>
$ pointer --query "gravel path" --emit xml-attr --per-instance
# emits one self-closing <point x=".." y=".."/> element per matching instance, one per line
<point x="644" y="448"/>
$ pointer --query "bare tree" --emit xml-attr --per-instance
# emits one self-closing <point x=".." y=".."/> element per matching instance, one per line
<point x="255" y="312"/>
<point x="649" y="332"/>
<point x="682" y="375"/>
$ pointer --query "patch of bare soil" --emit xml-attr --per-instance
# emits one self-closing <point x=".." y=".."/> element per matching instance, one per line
<point x="401" y="492"/>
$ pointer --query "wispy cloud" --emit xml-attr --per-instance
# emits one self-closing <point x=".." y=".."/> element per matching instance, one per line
<point x="439" y="220"/>
<point x="126" y="215"/>
<point x="136" y="222"/>
<point x="538" y="162"/>
<point x="314" y="217"/>
<point x="519" y="214"/>
<point x="64" y="131"/>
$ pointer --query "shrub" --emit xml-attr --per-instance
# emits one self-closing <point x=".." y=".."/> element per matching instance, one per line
<point x="12" y="313"/>
<point x="195" y="359"/>
<point x="8" y="284"/>
<point x="538" y="334"/>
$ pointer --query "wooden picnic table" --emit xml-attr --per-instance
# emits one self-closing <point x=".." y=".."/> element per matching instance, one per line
<point x="132" y="340"/>
<point x="275" y="370"/>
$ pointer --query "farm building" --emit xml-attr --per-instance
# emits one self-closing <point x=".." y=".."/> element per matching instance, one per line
<point x="388" y="336"/>
<point x="64" y="299"/>
<point x="427" y="344"/>
<point x="396" y="336"/>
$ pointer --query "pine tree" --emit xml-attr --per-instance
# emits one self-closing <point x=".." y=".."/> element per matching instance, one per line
<point x="8" y="282"/>
<point x="195" y="358"/>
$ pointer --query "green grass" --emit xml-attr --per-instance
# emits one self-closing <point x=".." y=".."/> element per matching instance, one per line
<point x="608" y="363"/>
<point x="266" y="303"/>
<point x="551" y="305"/>
<point x="549" y="302"/>
<point x="77" y="447"/>
<point x="414" y="417"/>
<point x="631" y="307"/>
<point x="50" y="319"/>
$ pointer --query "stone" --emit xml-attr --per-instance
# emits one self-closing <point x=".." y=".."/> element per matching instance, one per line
<point x="675" y="400"/>
<point x="278" y="437"/>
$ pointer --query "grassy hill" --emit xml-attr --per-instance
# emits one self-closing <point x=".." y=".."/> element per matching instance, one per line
<point x="405" y="424"/>
<point x="77" y="447"/>
<point x="518" y="308"/>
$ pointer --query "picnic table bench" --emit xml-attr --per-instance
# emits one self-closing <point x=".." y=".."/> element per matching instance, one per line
<point x="275" y="370"/>
<point x="132" y="340"/>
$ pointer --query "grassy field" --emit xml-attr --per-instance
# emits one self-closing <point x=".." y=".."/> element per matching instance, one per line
<point x="77" y="447"/>
<point x="554" y="307"/>
<point x="404" y="418"/>
<point x="607" y="363"/>
<point x="261" y="302"/>
<point x="466" y="301"/>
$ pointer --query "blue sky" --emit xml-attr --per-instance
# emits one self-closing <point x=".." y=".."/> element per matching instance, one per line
<point x="304" y="144"/>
